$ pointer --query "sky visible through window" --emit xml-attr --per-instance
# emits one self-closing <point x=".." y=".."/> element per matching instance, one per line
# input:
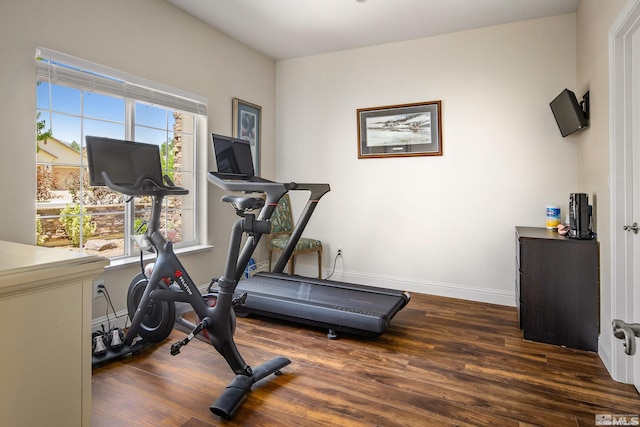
<point x="65" y="108"/>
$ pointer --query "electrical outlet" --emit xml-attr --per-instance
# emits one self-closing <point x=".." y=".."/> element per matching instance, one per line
<point x="339" y="251"/>
<point x="97" y="284"/>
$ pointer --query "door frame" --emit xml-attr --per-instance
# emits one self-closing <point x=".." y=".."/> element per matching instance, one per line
<point x="621" y="182"/>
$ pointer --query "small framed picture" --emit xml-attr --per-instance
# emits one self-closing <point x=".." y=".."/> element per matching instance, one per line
<point x="400" y="130"/>
<point x="246" y="125"/>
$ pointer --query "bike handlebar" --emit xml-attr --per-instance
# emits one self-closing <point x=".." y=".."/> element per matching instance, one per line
<point x="145" y="185"/>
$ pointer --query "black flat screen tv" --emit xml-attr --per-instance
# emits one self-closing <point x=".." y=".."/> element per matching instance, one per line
<point x="569" y="114"/>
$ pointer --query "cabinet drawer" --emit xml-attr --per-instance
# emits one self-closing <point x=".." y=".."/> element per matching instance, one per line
<point x="557" y="289"/>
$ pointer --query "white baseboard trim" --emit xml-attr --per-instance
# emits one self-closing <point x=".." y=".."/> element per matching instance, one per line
<point x="605" y="355"/>
<point x="121" y="320"/>
<point x="490" y="296"/>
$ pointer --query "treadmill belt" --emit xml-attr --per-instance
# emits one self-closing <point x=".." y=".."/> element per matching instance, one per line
<point x="358" y="309"/>
<point x="321" y="293"/>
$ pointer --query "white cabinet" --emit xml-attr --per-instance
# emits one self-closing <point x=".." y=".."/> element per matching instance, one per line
<point x="45" y="335"/>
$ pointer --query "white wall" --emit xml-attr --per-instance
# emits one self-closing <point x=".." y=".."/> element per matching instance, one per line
<point x="440" y="225"/>
<point x="147" y="38"/>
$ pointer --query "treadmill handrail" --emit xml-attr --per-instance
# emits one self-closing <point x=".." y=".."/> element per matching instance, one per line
<point x="317" y="191"/>
<point x="274" y="191"/>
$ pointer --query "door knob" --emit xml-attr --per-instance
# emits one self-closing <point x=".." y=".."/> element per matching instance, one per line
<point x="633" y="227"/>
<point x="628" y="333"/>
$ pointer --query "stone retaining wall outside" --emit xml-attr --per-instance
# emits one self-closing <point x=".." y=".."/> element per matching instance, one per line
<point x="109" y="220"/>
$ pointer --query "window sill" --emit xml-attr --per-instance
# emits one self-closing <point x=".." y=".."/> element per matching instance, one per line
<point x="135" y="260"/>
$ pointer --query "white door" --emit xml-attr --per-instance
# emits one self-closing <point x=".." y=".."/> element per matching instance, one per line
<point x="625" y="185"/>
<point x="631" y="230"/>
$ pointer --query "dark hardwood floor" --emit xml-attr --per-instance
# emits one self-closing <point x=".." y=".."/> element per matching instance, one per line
<point x="442" y="362"/>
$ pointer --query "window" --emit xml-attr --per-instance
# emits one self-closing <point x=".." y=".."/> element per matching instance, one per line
<point x="74" y="99"/>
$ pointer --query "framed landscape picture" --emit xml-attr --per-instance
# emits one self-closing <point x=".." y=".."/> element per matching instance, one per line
<point x="400" y="130"/>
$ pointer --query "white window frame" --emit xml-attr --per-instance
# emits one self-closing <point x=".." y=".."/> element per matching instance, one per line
<point x="89" y="76"/>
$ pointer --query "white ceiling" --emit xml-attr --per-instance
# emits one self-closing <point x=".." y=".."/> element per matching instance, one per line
<point x="284" y="29"/>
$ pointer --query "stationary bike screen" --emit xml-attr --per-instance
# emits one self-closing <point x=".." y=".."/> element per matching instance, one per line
<point x="125" y="161"/>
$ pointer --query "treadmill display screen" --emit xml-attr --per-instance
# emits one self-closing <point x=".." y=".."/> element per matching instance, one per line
<point x="233" y="156"/>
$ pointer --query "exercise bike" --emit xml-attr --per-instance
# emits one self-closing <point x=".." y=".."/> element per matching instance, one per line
<point x="151" y="298"/>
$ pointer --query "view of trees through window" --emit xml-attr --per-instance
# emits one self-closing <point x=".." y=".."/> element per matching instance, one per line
<point x="74" y="215"/>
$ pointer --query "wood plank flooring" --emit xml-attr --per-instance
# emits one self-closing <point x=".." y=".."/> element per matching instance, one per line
<point x="442" y="362"/>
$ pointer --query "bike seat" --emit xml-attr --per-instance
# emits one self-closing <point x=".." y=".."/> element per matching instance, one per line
<point x="243" y="203"/>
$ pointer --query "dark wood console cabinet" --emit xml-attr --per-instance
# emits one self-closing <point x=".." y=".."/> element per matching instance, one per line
<point x="557" y="288"/>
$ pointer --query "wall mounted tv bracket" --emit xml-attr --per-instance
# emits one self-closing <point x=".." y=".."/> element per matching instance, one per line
<point x="584" y="105"/>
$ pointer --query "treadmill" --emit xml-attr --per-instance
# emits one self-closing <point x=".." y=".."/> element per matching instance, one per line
<point x="337" y="306"/>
